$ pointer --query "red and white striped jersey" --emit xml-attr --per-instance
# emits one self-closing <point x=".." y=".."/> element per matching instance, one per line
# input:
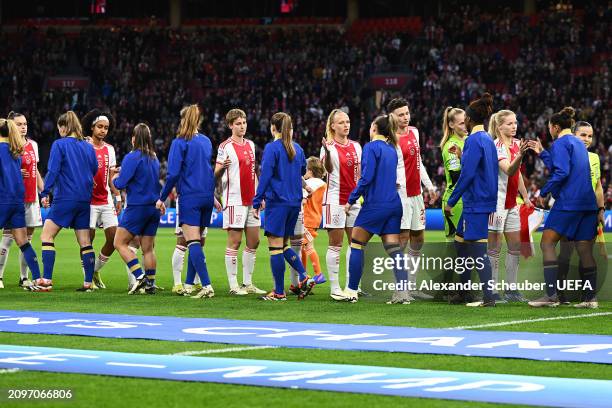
<point x="507" y="187"/>
<point x="29" y="160"/>
<point x="346" y="163"/>
<point x="409" y="163"/>
<point x="238" y="181"/>
<point x="106" y="159"/>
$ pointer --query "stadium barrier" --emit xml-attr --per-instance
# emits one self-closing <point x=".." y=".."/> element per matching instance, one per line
<point x="434" y="220"/>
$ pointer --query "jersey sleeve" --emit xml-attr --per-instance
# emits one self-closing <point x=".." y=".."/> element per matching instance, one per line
<point x="322" y="153"/>
<point x="502" y="152"/>
<point x="221" y="154"/>
<point x="35" y="148"/>
<point x="112" y="158"/>
<point x="451" y="161"/>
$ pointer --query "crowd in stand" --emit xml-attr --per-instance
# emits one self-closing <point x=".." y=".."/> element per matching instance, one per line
<point x="533" y="65"/>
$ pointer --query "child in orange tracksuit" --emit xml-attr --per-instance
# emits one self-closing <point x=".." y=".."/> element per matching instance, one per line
<point x="313" y="212"/>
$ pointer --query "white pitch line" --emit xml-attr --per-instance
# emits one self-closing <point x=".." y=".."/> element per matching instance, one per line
<point x="222" y="350"/>
<point x="542" y="319"/>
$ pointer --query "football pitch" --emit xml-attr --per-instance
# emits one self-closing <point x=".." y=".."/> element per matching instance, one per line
<point x="94" y="390"/>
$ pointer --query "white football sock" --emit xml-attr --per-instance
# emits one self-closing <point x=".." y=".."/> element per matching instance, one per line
<point x="248" y="265"/>
<point x="178" y="258"/>
<point x="231" y="267"/>
<point x="332" y="259"/>
<point x="512" y="265"/>
<point x="5" y="246"/>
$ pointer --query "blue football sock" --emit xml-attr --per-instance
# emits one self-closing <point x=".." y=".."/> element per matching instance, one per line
<point x="294" y="260"/>
<point x="356" y="264"/>
<point x="30" y="257"/>
<point x="589" y="275"/>
<point x="197" y="258"/>
<point x="191" y="273"/>
<point x="88" y="257"/>
<point x="135" y="268"/>
<point x="150" y="276"/>
<point x="550" y="277"/>
<point x="401" y="274"/>
<point x="463" y="254"/>
<point x="277" y="264"/>
<point x="48" y="259"/>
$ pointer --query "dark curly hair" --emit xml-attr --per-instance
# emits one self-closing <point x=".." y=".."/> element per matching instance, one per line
<point x="87" y="121"/>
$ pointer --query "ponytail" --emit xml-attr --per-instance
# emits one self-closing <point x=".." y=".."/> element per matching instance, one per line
<point x="564" y="118"/>
<point x="282" y="123"/>
<point x="447" y="118"/>
<point x="9" y="130"/>
<point x="190" y="122"/>
<point x="70" y="121"/>
<point x="143" y="140"/>
<point x="387" y="126"/>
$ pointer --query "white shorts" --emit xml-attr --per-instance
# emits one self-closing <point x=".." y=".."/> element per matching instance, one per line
<point x="505" y="220"/>
<point x="32" y="214"/>
<point x="178" y="231"/>
<point x="413" y="213"/>
<point x="299" y="224"/>
<point x="334" y="216"/>
<point x="103" y="216"/>
<point x="240" y="217"/>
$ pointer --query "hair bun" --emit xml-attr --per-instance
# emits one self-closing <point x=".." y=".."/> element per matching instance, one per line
<point x="568" y="111"/>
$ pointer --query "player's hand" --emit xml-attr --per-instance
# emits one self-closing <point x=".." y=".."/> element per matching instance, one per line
<point x="528" y="204"/>
<point x="541" y="202"/>
<point x="601" y="217"/>
<point x="536" y="146"/>
<point x="433" y="196"/>
<point x="45" y="202"/>
<point x="523" y="147"/>
<point x="25" y="173"/>
<point x="256" y="212"/>
<point x="160" y="206"/>
<point x="308" y="190"/>
<point x="324" y="144"/>
<point x="347" y="208"/>
<point x="217" y="205"/>
<point x="456" y="150"/>
<point x="448" y="210"/>
<point x="118" y="206"/>
<point x="226" y="163"/>
<point x="263" y="205"/>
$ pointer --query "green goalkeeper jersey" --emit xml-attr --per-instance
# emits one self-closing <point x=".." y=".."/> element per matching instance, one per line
<point x="451" y="163"/>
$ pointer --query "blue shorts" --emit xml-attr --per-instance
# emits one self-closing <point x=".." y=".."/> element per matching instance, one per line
<point x="70" y="214"/>
<point x="12" y="216"/>
<point x="280" y="221"/>
<point x="380" y="220"/>
<point x="574" y="225"/>
<point x="195" y="211"/>
<point x="473" y="226"/>
<point x="140" y="220"/>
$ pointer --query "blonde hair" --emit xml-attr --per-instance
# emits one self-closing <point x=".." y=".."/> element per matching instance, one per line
<point x="71" y="122"/>
<point x="329" y="132"/>
<point x="316" y="167"/>
<point x="447" y="119"/>
<point x="282" y="123"/>
<point x="190" y="122"/>
<point x="496" y="120"/>
<point x="234" y="114"/>
<point x="9" y="129"/>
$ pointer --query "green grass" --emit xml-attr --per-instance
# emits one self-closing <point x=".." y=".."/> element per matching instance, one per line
<point x="108" y="391"/>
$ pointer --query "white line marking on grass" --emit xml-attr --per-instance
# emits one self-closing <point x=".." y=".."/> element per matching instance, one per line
<point x="112" y="363"/>
<point x="222" y="350"/>
<point x="542" y="319"/>
<point x="9" y="370"/>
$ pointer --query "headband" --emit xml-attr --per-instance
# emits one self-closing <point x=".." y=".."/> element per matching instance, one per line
<point x="99" y="118"/>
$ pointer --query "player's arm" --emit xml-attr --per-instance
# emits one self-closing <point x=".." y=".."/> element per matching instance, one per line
<point x="368" y="171"/>
<point x="560" y="171"/>
<point x="469" y="163"/>
<point x="53" y="168"/>
<point x="453" y="164"/>
<point x="175" y="162"/>
<point x="268" y="165"/>
<point x="523" y="191"/>
<point x="510" y="168"/>
<point x="40" y="184"/>
<point x="599" y="194"/>
<point x="326" y="157"/>
<point x="128" y="170"/>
